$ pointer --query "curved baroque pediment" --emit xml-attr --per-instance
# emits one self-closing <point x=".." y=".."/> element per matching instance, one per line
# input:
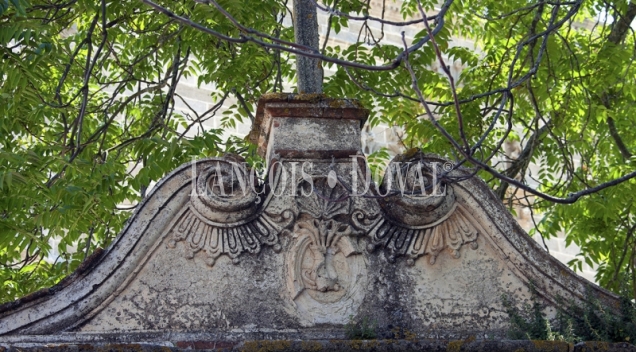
<point x="213" y="251"/>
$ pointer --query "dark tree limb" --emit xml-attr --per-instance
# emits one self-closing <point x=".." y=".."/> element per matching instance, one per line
<point x="616" y="36"/>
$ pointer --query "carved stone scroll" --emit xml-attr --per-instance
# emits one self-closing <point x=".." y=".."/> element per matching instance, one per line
<point x="421" y="216"/>
<point x="319" y="259"/>
<point x="451" y="232"/>
<point x="326" y="272"/>
<point x="223" y="217"/>
<point x="152" y="285"/>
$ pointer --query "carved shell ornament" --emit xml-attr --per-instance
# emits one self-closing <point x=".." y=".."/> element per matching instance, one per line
<point x="418" y="216"/>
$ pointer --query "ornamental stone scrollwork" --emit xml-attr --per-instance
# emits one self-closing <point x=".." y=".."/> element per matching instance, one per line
<point x="418" y="216"/>
<point x="343" y="243"/>
<point x="224" y="217"/>
<point x="421" y="216"/>
<point x="320" y="259"/>
<point x="451" y="232"/>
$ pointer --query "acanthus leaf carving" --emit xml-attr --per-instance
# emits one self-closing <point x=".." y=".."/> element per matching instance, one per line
<point x="323" y="237"/>
<point x="320" y="258"/>
<point x="322" y="200"/>
<point x="214" y="239"/>
<point x="399" y="240"/>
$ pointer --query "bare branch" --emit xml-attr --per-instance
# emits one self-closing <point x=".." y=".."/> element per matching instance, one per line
<point x="293" y="47"/>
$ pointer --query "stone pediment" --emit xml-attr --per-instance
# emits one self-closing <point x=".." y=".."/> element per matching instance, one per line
<point x="215" y="254"/>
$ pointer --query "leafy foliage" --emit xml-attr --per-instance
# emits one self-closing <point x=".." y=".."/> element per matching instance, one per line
<point x="574" y="323"/>
<point x="88" y="121"/>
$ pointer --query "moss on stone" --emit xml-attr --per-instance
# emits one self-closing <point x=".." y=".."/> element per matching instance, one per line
<point x="274" y="96"/>
<point x="312" y="346"/>
<point x="120" y="348"/>
<point x="596" y="346"/>
<point x="557" y="346"/>
<point x="266" y="346"/>
<point x="355" y="344"/>
<point x="408" y="154"/>
<point x="455" y="346"/>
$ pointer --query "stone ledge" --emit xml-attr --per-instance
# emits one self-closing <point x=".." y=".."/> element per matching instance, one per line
<point x="469" y="345"/>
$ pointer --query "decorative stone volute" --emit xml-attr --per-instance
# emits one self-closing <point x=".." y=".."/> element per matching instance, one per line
<point x="415" y="195"/>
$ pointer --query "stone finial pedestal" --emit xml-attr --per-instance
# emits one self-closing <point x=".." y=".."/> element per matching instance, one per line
<point x="309" y="126"/>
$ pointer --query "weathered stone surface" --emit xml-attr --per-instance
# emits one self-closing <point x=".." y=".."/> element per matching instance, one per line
<point x="312" y="138"/>
<point x="469" y="345"/>
<point x="327" y="127"/>
<point x="207" y="258"/>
